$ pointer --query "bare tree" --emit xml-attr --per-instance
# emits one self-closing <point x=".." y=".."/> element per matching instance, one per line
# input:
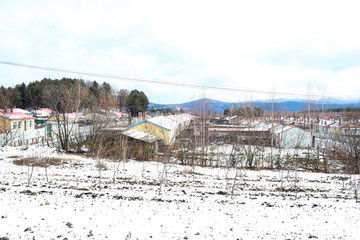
<point x="65" y="99"/>
<point x="99" y="163"/>
<point x="120" y="148"/>
<point x="346" y="148"/>
<point x="8" y="133"/>
<point x="274" y="108"/>
<point x="347" y="145"/>
<point x="124" y="147"/>
<point x="121" y="97"/>
<point x="43" y="159"/>
<point x="6" y="98"/>
<point x="29" y="162"/>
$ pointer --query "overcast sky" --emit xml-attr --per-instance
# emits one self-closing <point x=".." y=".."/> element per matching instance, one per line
<point x="286" y="46"/>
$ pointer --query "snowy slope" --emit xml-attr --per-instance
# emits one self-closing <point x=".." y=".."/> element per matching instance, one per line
<point x="192" y="206"/>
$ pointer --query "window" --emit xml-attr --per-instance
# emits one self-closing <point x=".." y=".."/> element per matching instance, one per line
<point x="30" y="123"/>
<point x="19" y="125"/>
<point x="14" y="125"/>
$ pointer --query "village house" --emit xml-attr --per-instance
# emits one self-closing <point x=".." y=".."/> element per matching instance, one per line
<point x="352" y="128"/>
<point x="147" y="131"/>
<point x="42" y="112"/>
<point x="164" y="128"/>
<point x="72" y="117"/>
<point x="15" y="121"/>
<point x="42" y="115"/>
<point x="118" y="114"/>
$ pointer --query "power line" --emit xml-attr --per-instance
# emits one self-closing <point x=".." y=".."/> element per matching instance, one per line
<point x="173" y="83"/>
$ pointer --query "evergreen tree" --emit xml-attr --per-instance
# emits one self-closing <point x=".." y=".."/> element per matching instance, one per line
<point x="137" y="102"/>
<point x="16" y="97"/>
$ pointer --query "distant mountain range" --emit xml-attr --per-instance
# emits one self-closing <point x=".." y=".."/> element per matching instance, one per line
<point x="282" y="104"/>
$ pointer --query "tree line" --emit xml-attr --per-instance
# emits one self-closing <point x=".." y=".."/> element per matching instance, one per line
<point x="245" y="111"/>
<point x="94" y="95"/>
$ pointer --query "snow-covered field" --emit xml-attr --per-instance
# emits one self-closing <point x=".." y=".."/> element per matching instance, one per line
<point x="192" y="206"/>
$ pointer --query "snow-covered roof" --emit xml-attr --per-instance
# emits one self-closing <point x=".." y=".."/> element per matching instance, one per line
<point x="173" y="122"/>
<point x="325" y="123"/>
<point x="15" y="110"/>
<point x="46" y="110"/>
<point x="226" y="126"/>
<point x="140" y="135"/>
<point x="230" y="118"/>
<point x="263" y="125"/>
<point x="224" y="129"/>
<point x="41" y="113"/>
<point x="16" y="116"/>
<point x="118" y="113"/>
<point x="351" y="125"/>
<point x="280" y="129"/>
<point x="248" y="123"/>
<point x="72" y="116"/>
<point x="94" y="115"/>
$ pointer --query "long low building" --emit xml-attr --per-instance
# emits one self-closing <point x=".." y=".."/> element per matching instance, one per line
<point x="164" y="128"/>
<point x="292" y="137"/>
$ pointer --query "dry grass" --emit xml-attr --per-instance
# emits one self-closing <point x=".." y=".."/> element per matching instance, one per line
<point x="13" y="157"/>
<point x="185" y="172"/>
<point x="40" y="162"/>
<point x="102" y="166"/>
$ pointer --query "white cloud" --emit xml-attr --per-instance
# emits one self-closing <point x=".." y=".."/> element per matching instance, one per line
<point x="243" y="44"/>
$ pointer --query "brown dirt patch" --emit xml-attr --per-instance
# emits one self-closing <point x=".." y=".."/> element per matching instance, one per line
<point x="40" y="162"/>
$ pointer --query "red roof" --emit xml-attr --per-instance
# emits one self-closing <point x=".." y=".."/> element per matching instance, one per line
<point x="118" y="113"/>
<point x="16" y="116"/>
<point x="46" y="110"/>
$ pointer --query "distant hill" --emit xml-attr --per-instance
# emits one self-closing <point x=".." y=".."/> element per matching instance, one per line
<point x="279" y="105"/>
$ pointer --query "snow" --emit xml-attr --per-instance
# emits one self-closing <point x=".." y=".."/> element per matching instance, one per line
<point x="16" y="110"/>
<point x="16" y="116"/>
<point x="42" y="112"/>
<point x="192" y="206"/>
<point x="118" y="113"/>
<point x="175" y="123"/>
<point x="227" y="129"/>
<point x="143" y="136"/>
<point x="74" y="116"/>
